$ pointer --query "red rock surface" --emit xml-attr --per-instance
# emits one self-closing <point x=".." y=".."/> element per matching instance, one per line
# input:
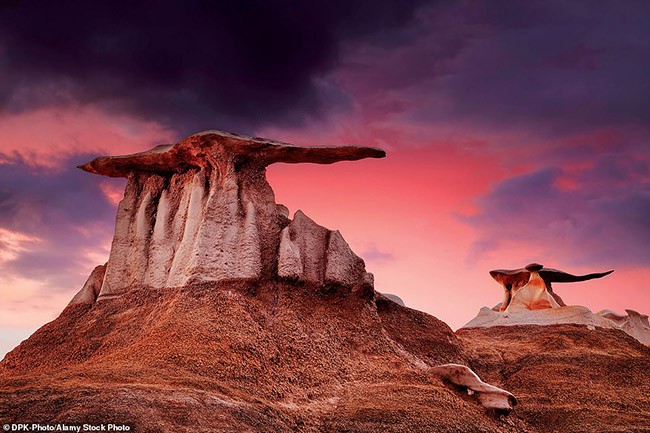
<point x="203" y="149"/>
<point x="292" y="357"/>
<point x="281" y="357"/>
<point x="567" y="378"/>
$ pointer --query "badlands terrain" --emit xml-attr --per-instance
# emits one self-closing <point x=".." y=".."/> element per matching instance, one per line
<point x="218" y="311"/>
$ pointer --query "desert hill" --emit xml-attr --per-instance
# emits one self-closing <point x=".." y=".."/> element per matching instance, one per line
<point x="567" y="378"/>
<point x="241" y="358"/>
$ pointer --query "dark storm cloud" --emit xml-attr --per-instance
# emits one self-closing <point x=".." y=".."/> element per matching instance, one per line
<point x="65" y="210"/>
<point x="546" y="67"/>
<point x="194" y="64"/>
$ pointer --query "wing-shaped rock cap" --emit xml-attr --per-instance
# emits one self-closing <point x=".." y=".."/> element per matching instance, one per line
<point x="516" y="277"/>
<point x="554" y="276"/>
<point x="197" y="150"/>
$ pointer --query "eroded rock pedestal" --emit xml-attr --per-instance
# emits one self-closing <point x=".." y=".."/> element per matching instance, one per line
<point x="202" y="210"/>
<point x="531" y="288"/>
<point x="571" y="370"/>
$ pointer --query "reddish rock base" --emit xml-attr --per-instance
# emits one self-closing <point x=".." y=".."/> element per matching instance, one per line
<point x="567" y="378"/>
<point x="290" y="357"/>
<point x="269" y="358"/>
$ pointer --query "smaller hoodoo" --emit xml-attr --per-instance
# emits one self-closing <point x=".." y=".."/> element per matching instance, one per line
<point x="529" y="299"/>
<point x="530" y="288"/>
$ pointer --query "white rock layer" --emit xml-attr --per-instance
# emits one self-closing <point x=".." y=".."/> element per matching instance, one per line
<point x="634" y="324"/>
<point x="90" y="290"/>
<point x="311" y="253"/>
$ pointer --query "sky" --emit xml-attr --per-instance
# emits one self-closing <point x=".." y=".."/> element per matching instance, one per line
<point x="515" y="132"/>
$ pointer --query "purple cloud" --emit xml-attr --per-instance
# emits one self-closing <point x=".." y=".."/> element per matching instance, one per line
<point x="604" y="218"/>
<point x="549" y="69"/>
<point x="66" y="213"/>
<point x="373" y="254"/>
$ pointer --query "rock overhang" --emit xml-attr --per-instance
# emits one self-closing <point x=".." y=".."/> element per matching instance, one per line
<point x="222" y="148"/>
<point x="530" y="287"/>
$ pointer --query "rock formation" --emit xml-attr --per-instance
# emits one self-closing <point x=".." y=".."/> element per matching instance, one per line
<point x="216" y="312"/>
<point x="632" y="323"/>
<point x="202" y="210"/>
<point x="90" y="290"/>
<point x="530" y="288"/>
<point x="395" y="299"/>
<point x="529" y="299"/>
<point x="489" y="396"/>
<point x="564" y="363"/>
